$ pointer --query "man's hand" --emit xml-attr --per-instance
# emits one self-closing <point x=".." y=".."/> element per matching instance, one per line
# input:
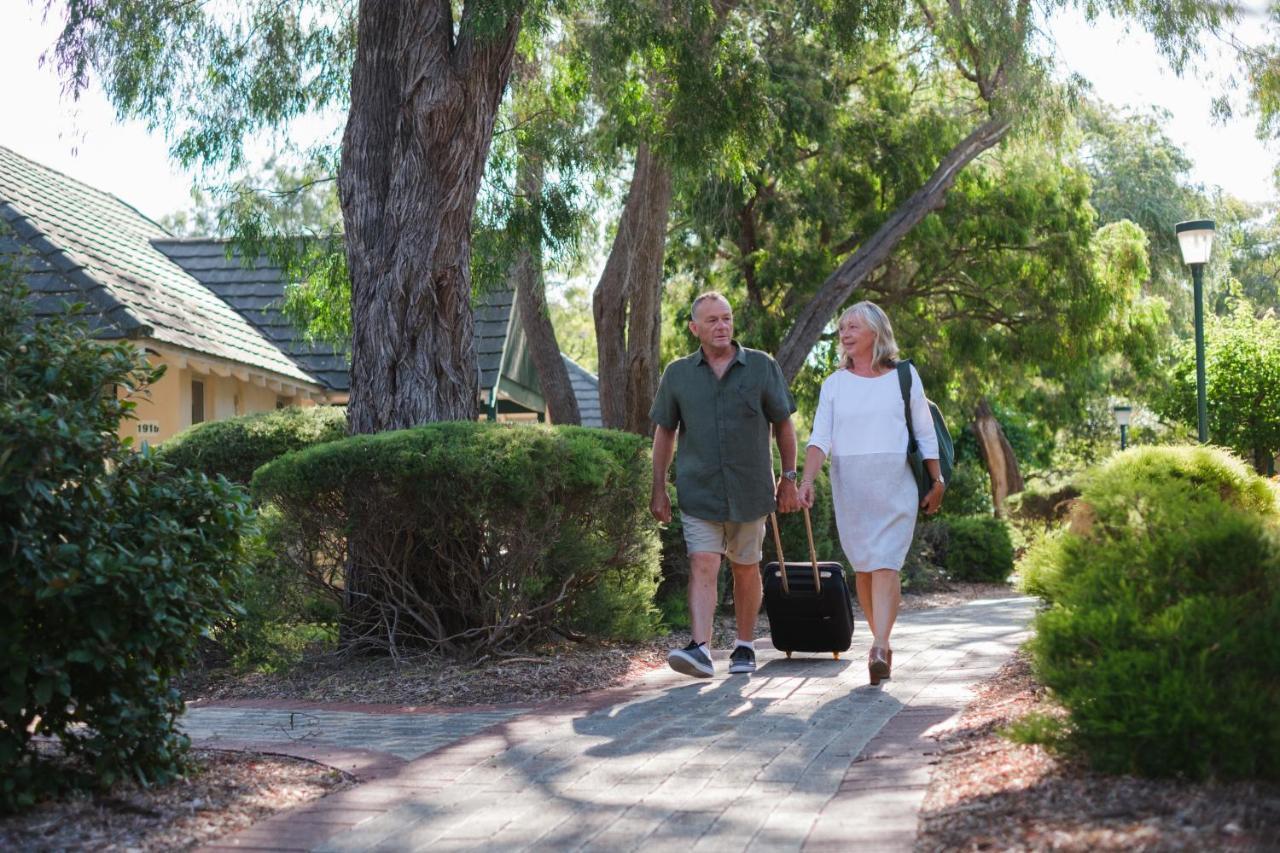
<point x="933" y="498"/>
<point x="788" y="500"/>
<point x="660" y="505"/>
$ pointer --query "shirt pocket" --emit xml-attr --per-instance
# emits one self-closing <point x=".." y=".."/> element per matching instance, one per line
<point x="748" y="399"/>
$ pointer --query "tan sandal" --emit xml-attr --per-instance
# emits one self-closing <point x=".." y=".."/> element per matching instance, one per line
<point x="878" y="665"/>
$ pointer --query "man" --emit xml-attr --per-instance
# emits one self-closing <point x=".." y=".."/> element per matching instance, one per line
<point x="722" y="400"/>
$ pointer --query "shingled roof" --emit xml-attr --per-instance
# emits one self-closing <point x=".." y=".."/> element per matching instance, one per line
<point x="586" y="387"/>
<point x="256" y="292"/>
<point x="85" y="245"/>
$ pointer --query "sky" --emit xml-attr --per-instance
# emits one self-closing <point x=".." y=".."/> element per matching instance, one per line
<point x="83" y="138"/>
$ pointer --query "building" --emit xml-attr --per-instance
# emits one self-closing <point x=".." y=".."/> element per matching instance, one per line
<point x="213" y="320"/>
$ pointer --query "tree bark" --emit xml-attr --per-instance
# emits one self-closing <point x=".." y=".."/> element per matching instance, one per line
<point x="531" y="306"/>
<point x="839" y="286"/>
<point x="627" y="302"/>
<point x="423" y="105"/>
<point x="998" y="455"/>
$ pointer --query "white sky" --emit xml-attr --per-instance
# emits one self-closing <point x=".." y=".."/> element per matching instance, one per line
<point x="84" y="140"/>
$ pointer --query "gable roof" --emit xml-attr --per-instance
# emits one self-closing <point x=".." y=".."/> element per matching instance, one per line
<point x="89" y="246"/>
<point x="256" y="292"/>
<point x="586" y="387"/>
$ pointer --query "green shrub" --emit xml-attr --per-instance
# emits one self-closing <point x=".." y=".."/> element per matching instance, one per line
<point x="236" y="447"/>
<point x="968" y="491"/>
<point x="1163" y="641"/>
<point x="114" y="564"/>
<point x="473" y="537"/>
<point x="924" y="569"/>
<point x="978" y="549"/>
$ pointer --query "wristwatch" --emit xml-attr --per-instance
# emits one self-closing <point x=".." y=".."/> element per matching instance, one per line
<point x="940" y="481"/>
<point x="789" y="475"/>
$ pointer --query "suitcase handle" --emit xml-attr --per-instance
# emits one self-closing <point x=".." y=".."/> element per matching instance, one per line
<point x="782" y="561"/>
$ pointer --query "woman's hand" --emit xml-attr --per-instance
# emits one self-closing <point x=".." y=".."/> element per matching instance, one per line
<point x="805" y="495"/>
<point x="933" y="498"/>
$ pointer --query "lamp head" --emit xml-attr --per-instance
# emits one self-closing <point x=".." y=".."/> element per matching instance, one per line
<point x="1122" y="414"/>
<point x="1195" y="238"/>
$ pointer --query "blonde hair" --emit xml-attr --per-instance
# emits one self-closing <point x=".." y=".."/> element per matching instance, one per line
<point x="885" y="350"/>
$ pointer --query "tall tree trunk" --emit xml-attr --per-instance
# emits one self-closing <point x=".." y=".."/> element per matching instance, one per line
<point x="423" y="104"/>
<point x="998" y="455"/>
<point x="531" y="305"/>
<point x="627" y="302"/>
<point x="839" y="286"/>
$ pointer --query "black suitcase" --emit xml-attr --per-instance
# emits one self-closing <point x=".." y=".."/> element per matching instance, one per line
<point x="809" y="607"/>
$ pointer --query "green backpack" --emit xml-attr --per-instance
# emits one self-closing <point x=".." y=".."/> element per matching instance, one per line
<point x="946" y="448"/>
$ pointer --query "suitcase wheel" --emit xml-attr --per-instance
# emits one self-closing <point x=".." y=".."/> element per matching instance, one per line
<point x="788" y="655"/>
<point x="836" y="655"/>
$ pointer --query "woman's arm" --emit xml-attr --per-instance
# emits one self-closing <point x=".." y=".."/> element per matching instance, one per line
<point x="813" y="459"/>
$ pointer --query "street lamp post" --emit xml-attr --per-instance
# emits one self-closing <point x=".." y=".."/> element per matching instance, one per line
<point x="1122" y="415"/>
<point x="1195" y="238"/>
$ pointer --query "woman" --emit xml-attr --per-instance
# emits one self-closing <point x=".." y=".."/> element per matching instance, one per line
<point x="861" y="426"/>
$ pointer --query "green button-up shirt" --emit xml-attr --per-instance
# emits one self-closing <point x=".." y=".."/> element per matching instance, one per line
<point x="724" y="467"/>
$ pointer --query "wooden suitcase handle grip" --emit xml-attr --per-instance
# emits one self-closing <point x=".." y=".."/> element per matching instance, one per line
<point x="782" y="561"/>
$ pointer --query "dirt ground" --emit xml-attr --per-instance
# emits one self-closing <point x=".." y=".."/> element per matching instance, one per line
<point x="226" y="792"/>
<point x="989" y="793"/>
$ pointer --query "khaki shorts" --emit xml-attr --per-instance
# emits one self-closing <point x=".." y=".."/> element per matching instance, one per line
<point x="739" y="541"/>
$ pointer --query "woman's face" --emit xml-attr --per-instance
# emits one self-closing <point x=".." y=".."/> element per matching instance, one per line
<point x="856" y="336"/>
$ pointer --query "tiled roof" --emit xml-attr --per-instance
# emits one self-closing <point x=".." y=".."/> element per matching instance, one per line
<point x="586" y="387"/>
<point x="256" y="291"/>
<point x="90" y="242"/>
<point x="493" y="322"/>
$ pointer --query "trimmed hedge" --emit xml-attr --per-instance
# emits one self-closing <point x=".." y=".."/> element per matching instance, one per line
<point x="1163" y="639"/>
<point x="114" y="565"/>
<point x="236" y="447"/>
<point x="473" y="537"/>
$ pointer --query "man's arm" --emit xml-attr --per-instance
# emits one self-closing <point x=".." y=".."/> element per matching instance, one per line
<point x="664" y="445"/>
<point x="784" y="432"/>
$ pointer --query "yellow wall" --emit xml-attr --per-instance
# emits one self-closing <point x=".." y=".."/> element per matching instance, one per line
<point x="164" y="409"/>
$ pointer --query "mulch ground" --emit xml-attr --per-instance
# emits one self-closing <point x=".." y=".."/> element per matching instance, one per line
<point x="989" y="793"/>
<point x="225" y="792"/>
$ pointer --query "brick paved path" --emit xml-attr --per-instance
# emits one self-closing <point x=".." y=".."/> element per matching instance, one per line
<point x="801" y="755"/>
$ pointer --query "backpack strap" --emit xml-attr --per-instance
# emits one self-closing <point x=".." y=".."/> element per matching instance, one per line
<point x="904" y="383"/>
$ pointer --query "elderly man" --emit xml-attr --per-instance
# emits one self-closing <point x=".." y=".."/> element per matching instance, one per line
<point x="722" y="400"/>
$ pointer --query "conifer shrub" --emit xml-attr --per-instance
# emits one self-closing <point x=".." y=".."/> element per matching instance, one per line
<point x="236" y="447"/>
<point x="473" y="538"/>
<point x="113" y="566"/>
<point x="1163" y="638"/>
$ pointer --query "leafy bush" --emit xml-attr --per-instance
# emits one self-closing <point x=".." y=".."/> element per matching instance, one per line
<point x="978" y="549"/>
<point x="473" y="537"/>
<point x="1163" y="641"/>
<point x="924" y="570"/>
<point x="968" y="491"/>
<point x="114" y="564"/>
<point x="236" y="447"/>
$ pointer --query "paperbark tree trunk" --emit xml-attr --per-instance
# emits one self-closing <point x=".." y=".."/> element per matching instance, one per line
<point x="627" y="302"/>
<point x="998" y="455"/>
<point x="423" y="104"/>
<point x="531" y="305"/>
<point x="839" y="286"/>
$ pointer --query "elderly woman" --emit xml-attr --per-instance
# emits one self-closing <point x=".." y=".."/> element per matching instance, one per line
<point x="861" y="426"/>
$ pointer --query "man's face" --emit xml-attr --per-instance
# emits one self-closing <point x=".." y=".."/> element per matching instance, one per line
<point x="712" y="323"/>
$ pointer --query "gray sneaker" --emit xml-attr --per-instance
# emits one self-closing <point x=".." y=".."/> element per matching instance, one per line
<point x="692" y="660"/>
<point x="742" y="660"/>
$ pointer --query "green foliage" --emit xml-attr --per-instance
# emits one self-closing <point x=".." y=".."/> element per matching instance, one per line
<point x="968" y="491"/>
<point x="1163" y="638"/>
<point x="236" y="447"/>
<point x="474" y="537"/>
<point x="115" y="563"/>
<point x="978" y="549"/>
<point x="923" y="569"/>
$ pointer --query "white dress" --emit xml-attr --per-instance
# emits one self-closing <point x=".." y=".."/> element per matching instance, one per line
<point x="862" y="429"/>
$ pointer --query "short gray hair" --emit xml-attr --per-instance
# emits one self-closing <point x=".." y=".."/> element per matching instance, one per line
<point x="706" y="297"/>
<point x="885" y="350"/>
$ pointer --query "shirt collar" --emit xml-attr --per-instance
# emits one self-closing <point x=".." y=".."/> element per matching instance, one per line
<point x="700" y="357"/>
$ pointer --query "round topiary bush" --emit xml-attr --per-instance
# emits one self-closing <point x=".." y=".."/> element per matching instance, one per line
<point x="236" y="447"/>
<point x="978" y="549"/>
<point x="473" y="537"/>
<point x="1163" y="639"/>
